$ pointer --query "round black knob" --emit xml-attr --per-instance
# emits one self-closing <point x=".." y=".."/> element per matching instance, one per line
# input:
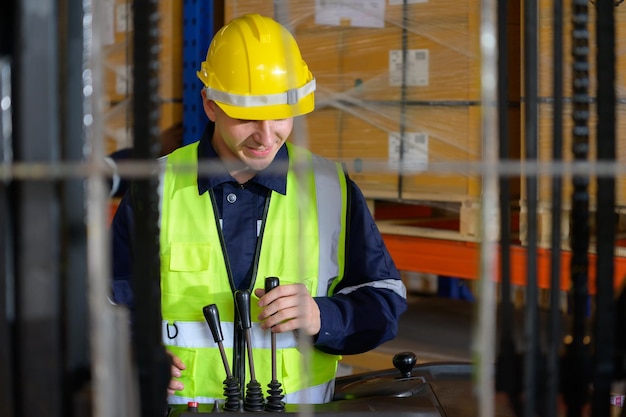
<point x="404" y="362"/>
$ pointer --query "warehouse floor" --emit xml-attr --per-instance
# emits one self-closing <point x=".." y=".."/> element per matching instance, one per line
<point x="440" y="329"/>
<point x="434" y="328"/>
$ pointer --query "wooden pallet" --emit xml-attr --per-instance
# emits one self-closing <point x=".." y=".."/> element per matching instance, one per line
<point x="544" y="228"/>
<point x="458" y="220"/>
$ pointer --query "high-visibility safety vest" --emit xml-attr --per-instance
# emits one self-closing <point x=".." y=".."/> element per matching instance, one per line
<point x="302" y="240"/>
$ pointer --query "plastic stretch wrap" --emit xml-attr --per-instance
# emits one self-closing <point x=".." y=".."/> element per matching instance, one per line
<point x="372" y="111"/>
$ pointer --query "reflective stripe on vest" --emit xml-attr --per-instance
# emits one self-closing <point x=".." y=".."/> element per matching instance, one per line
<point x="197" y="335"/>
<point x="303" y="241"/>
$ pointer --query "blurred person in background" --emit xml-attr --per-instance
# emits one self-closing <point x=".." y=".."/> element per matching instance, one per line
<point x="170" y="139"/>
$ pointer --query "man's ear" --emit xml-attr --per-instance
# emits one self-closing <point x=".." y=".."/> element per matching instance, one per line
<point x="209" y="106"/>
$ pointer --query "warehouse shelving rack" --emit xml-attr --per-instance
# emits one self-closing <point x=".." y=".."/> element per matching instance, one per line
<point x="202" y="18"/>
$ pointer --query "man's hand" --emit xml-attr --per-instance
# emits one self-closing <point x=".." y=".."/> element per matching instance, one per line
<point x="177" y="367"/>
<point x="289" y="307"/>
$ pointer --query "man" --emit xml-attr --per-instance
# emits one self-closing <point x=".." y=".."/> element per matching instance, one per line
<point x="264" y="208"/>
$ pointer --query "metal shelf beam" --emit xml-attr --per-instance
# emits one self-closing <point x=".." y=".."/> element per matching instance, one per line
<point x="461" y="259"/>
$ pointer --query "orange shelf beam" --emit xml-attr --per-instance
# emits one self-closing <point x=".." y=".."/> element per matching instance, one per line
<point x="461" y="260"/>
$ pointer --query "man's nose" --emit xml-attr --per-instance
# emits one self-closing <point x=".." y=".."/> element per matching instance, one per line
<point x="265" y="131"/>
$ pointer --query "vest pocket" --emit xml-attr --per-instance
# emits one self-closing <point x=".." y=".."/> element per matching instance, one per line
<point x="204" y="375"/>
<point x="189" y="256"/>
<point x="188" y="357"/>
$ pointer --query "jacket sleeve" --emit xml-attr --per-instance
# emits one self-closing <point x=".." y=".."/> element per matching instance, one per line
<point x="364" y="310"/>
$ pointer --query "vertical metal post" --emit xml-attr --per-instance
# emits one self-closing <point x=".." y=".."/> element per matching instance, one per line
<point x="199" y="25"/>
<point x="531" y="128"/>
<point x="39" y="329"/>
<point x="74" y="247"/>
<point x="115" y="391"/>
<point x="554" y="325"/>
<point x="403" y="94"/>
<point x="604" y="351"/>
<point x="484" y="344"/>
<point x="7" y="277"/>
<point x="506" y="377"/>
<point x="152" y="360"/>
<point x="577" y="352"/>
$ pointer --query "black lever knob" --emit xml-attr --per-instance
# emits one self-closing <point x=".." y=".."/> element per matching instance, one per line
<point x="242" y="299"/>
<point x="271" y="283"/>
<point x="231" y="384"/>
<point x="404" y="362"/>
<point x="212" y="317"/>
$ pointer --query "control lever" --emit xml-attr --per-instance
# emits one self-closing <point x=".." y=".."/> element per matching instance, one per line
<point x="231" y="383"/>
<point x="253" y="400"/>
<point x="274" y="400"/>
<point x="404" y="362"/>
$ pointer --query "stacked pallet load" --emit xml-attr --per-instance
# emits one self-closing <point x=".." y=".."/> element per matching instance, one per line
<point x="117" y="74"/>
<point x="398" y="94"/>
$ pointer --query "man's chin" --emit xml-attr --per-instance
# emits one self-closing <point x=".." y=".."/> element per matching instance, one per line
<point x="258" y="165"/>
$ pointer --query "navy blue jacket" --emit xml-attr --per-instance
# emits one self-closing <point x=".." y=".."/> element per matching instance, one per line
<point x="350" y="323"/>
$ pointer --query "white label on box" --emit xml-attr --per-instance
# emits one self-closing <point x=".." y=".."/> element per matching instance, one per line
<point x="123" y="80"/>
<point x="123" y="21"/>
<point x="360" y="13"/>
<point x="398" y="2"/>
<point x="108" y="35"/>
<point x="416" y="67"/>
<point x="414" y="151"/>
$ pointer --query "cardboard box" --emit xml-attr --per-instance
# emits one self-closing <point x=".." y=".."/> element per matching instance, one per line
<point x="117" y="72"/>
<point x="319" y="132"/>
<point x="441" y="63"/>
<point x="367" y="139"/>
<point x="357" y="49"/>
<point x="171" y="50"/>
<point x="117" y="126"/>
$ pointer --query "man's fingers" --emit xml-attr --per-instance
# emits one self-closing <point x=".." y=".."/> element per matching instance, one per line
<point x="176" y="361"/>
<point x="176" y="371"/>
<point x="174" y="386"/>
<point x="282" y="291"/>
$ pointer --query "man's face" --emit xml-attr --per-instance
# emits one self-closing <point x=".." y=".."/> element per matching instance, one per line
<point x="252" y="142"/>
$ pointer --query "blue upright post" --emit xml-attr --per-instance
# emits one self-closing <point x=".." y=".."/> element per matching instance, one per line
<point x="455" y="288"/>
<point x="198" y="29"/>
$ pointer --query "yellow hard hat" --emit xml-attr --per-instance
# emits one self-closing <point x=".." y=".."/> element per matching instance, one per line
<point x="254" y="71"/>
